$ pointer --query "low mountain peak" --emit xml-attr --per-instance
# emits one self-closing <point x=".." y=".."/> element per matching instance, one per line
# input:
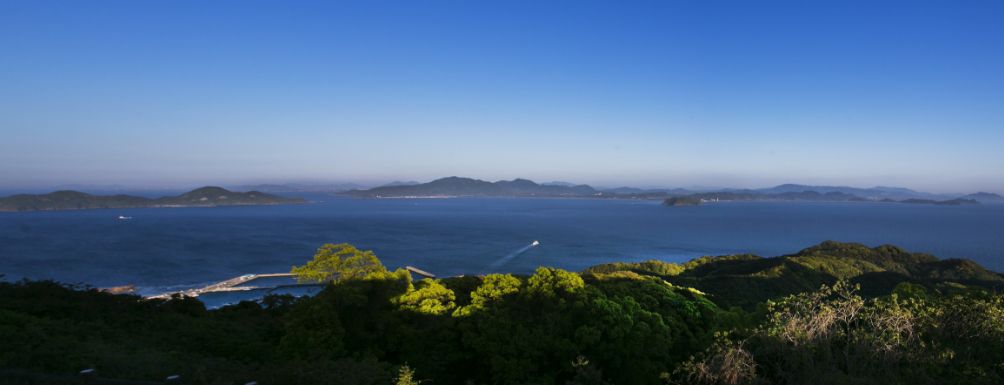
<point x="208" y="190"/>
<point x="518" y="182"/>
<point x="68" y="193"/>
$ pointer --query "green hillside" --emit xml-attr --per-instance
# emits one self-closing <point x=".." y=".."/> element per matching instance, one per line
<point x="747" y="280"/>
<point x="914" y="320"/>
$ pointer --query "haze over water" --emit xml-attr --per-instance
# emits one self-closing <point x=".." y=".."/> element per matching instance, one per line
<point x="170" y="248"/>
<point x="172" y="95"/>
<point x="667" y="93"/>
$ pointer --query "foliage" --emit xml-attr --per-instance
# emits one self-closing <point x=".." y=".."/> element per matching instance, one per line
<point x="650" y="267"/>
<point x="834" y="336"/>
<point x="682" y="201"/>
<point x="431" y="298"/>
<point x="586" y="374"/>
<point x="338" y="262"/>
<point x="493" y="288"/>
<point x="406" y="376"/>
<point x="748" y="281"/>
<point x="639" y="323"/>
<point x="548" y="282"/>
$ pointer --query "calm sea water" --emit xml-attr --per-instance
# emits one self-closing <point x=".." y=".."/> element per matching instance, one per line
<point x="162" y="249"/>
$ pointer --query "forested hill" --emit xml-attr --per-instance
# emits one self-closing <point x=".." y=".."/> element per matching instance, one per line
<point x="466" y="187"/>
<point x="202" y="197"/>
<point x="800" y="319"/>
<point x="747" y="280"/>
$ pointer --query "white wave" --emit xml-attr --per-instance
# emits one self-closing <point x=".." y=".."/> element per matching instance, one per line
<point x="509" y="257"/>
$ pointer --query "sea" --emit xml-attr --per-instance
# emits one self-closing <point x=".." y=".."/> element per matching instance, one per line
<point x="167" y="249"/>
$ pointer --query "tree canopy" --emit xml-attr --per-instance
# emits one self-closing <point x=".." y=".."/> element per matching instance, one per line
<point x="338" y="262"/>
<point x="616" y="324"/>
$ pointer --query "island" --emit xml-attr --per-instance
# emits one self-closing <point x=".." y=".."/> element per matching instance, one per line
<point x="209" y="196"/>
<point x="467" y="187"/>
<point x="985" y="196"/>
<point x="812" y="196"/>
<point x="460" y="187"/>
<point x="682" y="201"/>
<point x="949" y="202"/>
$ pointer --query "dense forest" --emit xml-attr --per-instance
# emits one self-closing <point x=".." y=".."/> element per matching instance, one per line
<point x="833" y="313"/>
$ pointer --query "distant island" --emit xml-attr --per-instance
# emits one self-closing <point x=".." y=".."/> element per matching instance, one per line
<point x="949" y="202"/>
<point x="467" y="187"/>
<point x="209" y="196"/>
<point x="453" y="186"/>
<point x="813" y="196"/>
<point x="984" y="196"/>
<point x="682" y="201"/>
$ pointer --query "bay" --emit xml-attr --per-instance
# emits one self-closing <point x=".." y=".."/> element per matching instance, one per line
<point x="175" y="248"/>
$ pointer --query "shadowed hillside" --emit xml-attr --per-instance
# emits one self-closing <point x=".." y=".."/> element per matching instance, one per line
<point x="746" y="280"/>
<point x="924" y="321"/>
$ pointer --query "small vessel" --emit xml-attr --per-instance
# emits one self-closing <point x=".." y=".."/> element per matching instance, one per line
<point x="124" y="218"/>
<point x="535" y="243"/>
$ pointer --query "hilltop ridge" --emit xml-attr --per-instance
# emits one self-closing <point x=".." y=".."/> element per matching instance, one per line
<point x="746" y="279"/>
<point x="458" y="186"/>
<point x="208" y="196"/>
<point x="455" y="186"/>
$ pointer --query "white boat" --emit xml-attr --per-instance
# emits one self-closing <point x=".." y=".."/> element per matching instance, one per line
<point x="124" y="218"/>
<point x="535" y="243"/>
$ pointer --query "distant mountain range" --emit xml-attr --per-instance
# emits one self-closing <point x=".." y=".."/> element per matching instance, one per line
<point x="984" y="197"/>
<point x="456" y="186"/>
<point x="815" y="196"/>
<point x="874" y="193"/>
<point x="468" y="187"/>
<point x="202" y="197"/>
<point x="400" y="183"/>
<point x="302" y="187"/>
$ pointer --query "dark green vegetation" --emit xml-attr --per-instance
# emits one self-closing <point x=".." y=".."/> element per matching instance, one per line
<point x="682" y="201"/>
<point x="836" y="336"/>
<point x="738" y="319"/>
<point x="749" y="280"/>
<point x="202" y="197"/>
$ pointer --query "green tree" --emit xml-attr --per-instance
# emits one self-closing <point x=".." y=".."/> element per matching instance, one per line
<point x="834" y="336"/>
<point x="493" y="288"/>
<point x="338" y="262"/>
<point x="312" y="331"/>
<point x="406" y="376"/>
<point x="431" y="298"/>
<point x="548" y="282"/>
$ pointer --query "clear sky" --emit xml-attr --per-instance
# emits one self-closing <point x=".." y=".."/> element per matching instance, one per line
<point x="651" y="93"/>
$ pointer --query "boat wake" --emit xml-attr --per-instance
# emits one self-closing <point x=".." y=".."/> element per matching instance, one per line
<point x="509" y="257"/>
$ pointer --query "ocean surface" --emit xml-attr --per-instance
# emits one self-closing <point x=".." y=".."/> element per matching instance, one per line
<point x="175" y="248"/>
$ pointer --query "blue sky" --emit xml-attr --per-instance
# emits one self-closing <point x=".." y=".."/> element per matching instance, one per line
<point x="651" y="93"/>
